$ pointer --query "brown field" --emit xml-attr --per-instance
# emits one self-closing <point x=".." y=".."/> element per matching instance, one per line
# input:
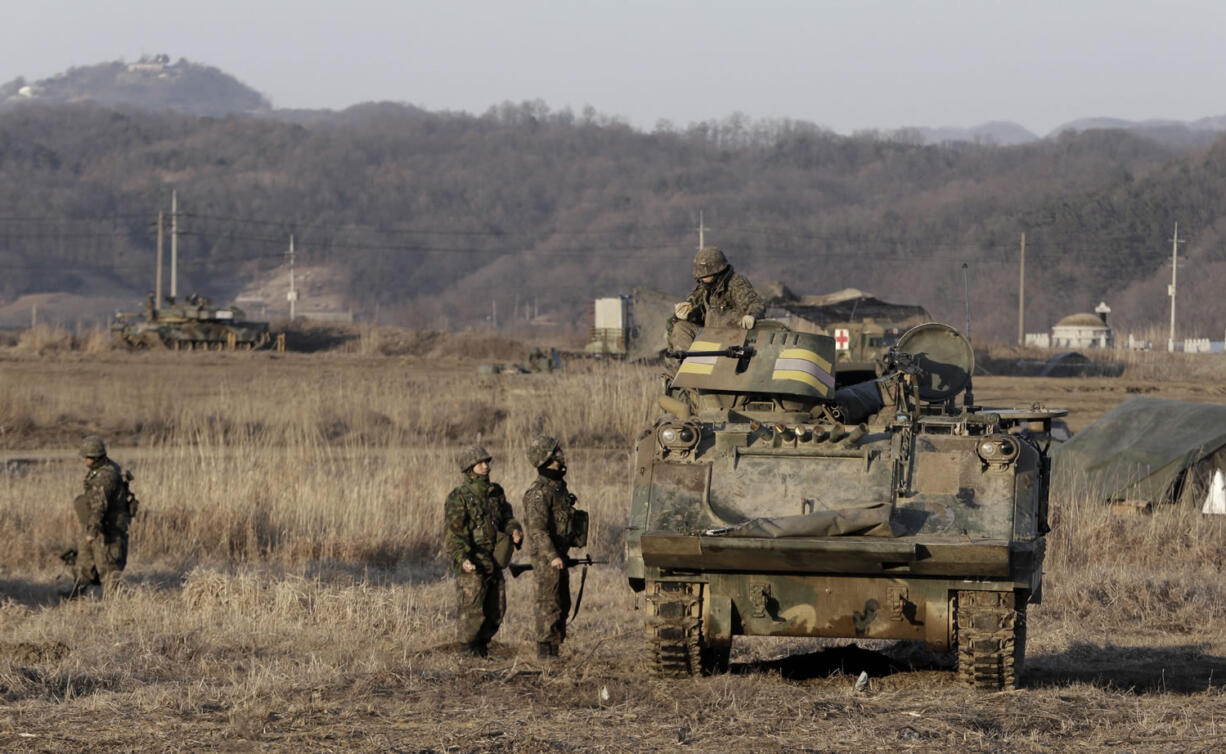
<point x="284" y="589"/>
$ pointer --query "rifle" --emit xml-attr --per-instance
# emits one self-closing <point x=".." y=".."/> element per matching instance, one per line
<point x="732" y="352"/>
<point x="586" y="560"/>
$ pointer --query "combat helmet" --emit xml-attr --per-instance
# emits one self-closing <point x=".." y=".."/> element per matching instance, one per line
<point x="471" y="456"/>
<point x="541" y="450"/>
<point x="709" y="261"/>
<point x="93" y="447"/>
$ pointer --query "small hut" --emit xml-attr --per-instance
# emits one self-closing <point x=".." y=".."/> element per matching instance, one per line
<point x="1084" y="330"/>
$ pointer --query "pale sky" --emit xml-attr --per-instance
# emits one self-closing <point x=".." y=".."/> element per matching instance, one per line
<point x="848" y="65"/>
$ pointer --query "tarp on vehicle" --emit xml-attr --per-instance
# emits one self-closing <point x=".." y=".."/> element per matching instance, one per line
<point x="1146" y="450"/>
<point x="869" y="521"/>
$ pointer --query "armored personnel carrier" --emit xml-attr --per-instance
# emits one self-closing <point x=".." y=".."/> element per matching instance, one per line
<point x="767" y="503"/>
<point x="196" y="324"/>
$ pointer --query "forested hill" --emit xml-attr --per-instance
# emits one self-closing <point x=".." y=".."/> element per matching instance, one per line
<point x="428" y="218"/>
<point x="152" y="83"/>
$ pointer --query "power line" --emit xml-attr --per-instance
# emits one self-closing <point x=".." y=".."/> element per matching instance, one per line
<point x="790" y="241"/>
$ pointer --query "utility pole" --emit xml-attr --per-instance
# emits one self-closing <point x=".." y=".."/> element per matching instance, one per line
<point x="157" y="300"/>
<point x="968" y="397"/>
<point x="701" y="229"/>
<point x="1175" y="241"/>
<point x="174" y="245"/>
<point x="966" y="297"/>
<point x="292" y="296"/>
<point x="1021" y="297"/>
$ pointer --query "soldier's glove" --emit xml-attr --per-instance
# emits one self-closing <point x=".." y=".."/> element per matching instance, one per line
<point x="682" y="309"/>
<point x="748" y="321"/>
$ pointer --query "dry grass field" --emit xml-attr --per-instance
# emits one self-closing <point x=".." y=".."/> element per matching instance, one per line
<point x="285" y="593"/>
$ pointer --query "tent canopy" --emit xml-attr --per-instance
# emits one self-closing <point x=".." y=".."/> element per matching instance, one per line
<point x="1141" y="450"/>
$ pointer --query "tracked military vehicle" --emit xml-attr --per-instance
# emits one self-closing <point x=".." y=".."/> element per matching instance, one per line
<point x="767" y="503"/>
<point x="197" y="324"/>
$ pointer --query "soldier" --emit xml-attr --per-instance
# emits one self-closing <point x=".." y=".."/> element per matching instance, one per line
<point x="720" y="299"/>
<point x="104" y="511"/>
<point x="549" y="509"/>
<point x="480" y="531"/>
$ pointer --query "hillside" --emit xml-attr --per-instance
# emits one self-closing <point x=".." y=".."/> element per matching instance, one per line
<point x="152" y="83"/>
<point x="441" y="220"/>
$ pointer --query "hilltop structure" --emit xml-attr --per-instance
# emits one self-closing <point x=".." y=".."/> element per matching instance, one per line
<point x="1076" y="331"/>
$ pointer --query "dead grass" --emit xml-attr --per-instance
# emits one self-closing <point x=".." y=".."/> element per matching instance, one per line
<point x="284" y="591"/>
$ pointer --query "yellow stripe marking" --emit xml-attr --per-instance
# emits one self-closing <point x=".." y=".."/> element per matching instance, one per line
<point x="807" y="355"/>
<point x="689" y="367"/>
<point x="703" y="345"/>
<point x="805" y="377"/>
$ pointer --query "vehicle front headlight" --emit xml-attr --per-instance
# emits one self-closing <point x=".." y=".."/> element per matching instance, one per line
<point x="999" y="449"/>
<point x="677" y="436"/>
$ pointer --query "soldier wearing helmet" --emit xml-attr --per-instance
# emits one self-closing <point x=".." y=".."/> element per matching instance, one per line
<point x="549" y="511"/>
<point x="480" y="532"/>
<point x="104" y="511"/>
<point x="721" y="298"/>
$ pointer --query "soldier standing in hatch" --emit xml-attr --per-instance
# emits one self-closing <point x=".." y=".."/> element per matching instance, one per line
<point x="480" y="531"/>
<point x="721" y="298"/>
<point x="102" y="510"/>
<point x="549" y="510"/>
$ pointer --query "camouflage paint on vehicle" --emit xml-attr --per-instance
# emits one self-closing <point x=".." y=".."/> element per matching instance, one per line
<point x="190" y="327"/>
<point x="937" y="503"/>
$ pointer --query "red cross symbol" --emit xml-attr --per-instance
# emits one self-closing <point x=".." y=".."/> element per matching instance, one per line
<point x="841" y="339"/>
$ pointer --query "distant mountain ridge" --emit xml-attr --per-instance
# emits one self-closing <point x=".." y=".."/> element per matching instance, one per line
<point x="1196" y="134"/>
<point x="998" y="132"/>
<point x="451" y="220"/>
<point x="152" y="83"/>
<point x="155" y="83"/>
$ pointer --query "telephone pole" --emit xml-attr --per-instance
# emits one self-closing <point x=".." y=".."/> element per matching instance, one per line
<point x="1175" y="241"/>
<point x="157" y="300"/>
<point x="292" y="296"/>
<point x="966" y="296"/>
<point x="174" y="245"/>
<point x="1021" y="297"/>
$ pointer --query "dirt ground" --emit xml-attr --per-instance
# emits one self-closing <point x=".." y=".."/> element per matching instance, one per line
<point x="1127" y="652"/>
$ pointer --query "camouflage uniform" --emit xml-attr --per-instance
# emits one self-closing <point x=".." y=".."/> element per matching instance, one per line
<point x="476" y="512"/>
<point x="548" y="510"/>
<point x="720" y="303"/>
<point x="102" y="510"/>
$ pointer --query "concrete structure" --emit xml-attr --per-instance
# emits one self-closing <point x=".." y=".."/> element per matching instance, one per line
<point x="1084" y="330"/>
<point x="611" y="318"/>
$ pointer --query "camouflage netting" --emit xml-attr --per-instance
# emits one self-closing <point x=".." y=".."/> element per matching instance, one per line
<point x="1147" y="450"/>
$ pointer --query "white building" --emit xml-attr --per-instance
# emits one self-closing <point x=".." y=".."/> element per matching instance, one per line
<point x="1084" y="330"/>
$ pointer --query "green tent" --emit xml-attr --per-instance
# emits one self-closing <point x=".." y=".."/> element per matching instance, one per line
<point x="1146" y="450"/>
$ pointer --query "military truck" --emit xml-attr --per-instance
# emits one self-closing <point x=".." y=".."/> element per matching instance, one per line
<point x="195" y="324"/>
<point x="767" y="503"/>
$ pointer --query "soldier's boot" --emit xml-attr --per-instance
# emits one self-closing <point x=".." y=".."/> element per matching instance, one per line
<point x="477" y="649"/>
